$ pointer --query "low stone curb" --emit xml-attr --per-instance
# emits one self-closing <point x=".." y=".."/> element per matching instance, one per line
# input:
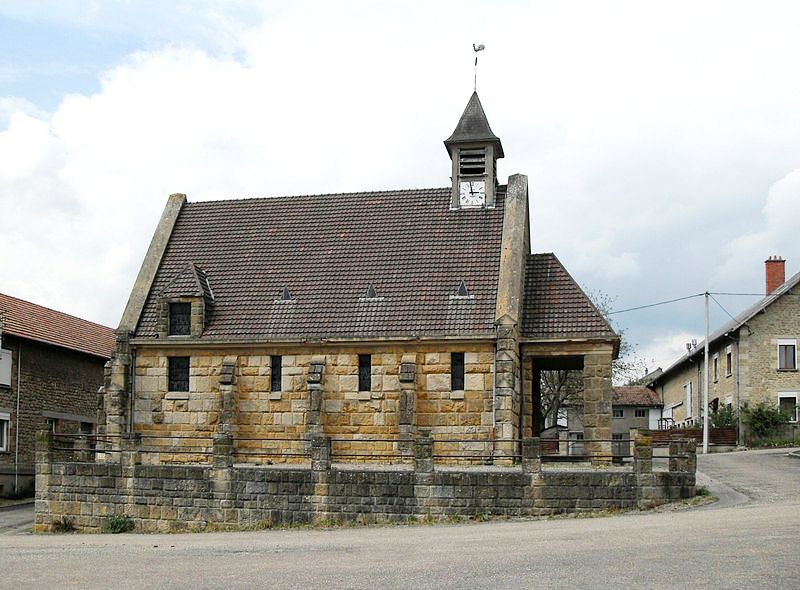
<point x="17" y="504"/>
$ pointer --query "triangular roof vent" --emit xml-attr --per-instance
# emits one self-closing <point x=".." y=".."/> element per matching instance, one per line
<point x="371" y="292"/>
<point x="286" y="296"/>
<point x="462" y="289"/>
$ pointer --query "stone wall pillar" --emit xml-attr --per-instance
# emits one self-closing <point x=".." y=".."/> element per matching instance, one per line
<point x="407" y="404"/>
<point x="643" y="470"/>
<point x="633" y="433"/>
<point x="531" y="455"/>
<point x="320" y="453"/>
<point x="44" y="471"/>
<point x="221" y="475"/>
<point x="227" y="379"/>
<point x="597" y="399"/>
<point x="682" y="455"/>
<point x="423" y="452"/>
<point x="507" y="380"/>
<point x="314" y="388"/>
<point x="116" y="396"/>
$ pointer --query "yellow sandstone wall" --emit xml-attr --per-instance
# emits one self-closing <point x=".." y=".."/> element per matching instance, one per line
<point x="260" y="414"/>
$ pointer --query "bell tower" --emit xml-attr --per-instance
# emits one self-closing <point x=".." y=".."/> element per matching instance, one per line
<point x="474" y="150"/>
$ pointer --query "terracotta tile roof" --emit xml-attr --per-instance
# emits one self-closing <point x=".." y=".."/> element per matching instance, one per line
<point x="34" y="322"/>
<point x="326" y="250"/>
<point x="555" y="306"/>
<point x="635" y="395"/>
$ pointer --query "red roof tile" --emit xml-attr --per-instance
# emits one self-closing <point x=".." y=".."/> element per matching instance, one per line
<point x="34" y="322"/>
<point x="635" y="395"/>
<point x="326" y="250"/>
<point x="555" y="306"/>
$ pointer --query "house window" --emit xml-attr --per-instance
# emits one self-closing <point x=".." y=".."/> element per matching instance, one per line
<point x="276" y="372"/>
<point x="728" y="361"/>
<point x="87" y="428"/>
<point x="640" y="412"/>
<point x="456" y="371"/>
<point x="180" y="319"/>
<point x="787" y="355"/>
<point x="364" y="372"/>
<point x="716" y="368"/>
<point x="5" y="422"/>
<point x="617" y="412"/>
<point x="687" y="392"/>
<point x="178" y="373"/>
<point x="616" y="436"/>
<point x="5" y="367"/>
<point x="787" y="402"/>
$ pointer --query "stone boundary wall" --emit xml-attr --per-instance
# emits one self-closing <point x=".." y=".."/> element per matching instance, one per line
<point x="172" y="498"/>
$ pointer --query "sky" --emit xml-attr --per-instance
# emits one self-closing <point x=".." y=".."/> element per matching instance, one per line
<point x="661" y="139"/>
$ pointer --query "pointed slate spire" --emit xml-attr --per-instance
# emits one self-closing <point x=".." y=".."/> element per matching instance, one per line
<point x="371" y="293"/>
<point x="462" y="289"/>
<point x="474" y="127"/>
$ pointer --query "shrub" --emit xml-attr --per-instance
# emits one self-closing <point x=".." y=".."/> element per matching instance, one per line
<point x="763" y="418"/>
<point x="65" y="524"/>
<point x="724" y="417"/>
<point x="118" y="524"/>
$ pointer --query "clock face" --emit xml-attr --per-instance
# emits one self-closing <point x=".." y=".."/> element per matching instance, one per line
<point x="472" y="193"/>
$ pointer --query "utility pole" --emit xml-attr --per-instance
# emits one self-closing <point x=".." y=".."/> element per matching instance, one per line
<point x="705" y="384"/>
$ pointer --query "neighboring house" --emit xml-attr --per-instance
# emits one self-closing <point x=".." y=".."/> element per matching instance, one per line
<point x="634" y="406"/>
<point x="360" y="315"/>
<point x="51" y="367"/>
<point x="753" y="358"/>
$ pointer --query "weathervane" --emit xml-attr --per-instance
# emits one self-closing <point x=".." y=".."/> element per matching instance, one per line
<point x="476" y="49"/>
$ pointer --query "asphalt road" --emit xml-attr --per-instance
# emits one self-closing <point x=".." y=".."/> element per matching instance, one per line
<point x="747" y="540"/>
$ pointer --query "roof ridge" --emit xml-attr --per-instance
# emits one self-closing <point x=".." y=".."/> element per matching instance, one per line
<point x="349" y="194"/>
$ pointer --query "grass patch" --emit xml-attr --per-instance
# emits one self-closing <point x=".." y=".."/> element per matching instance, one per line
<point x="117" y="524"/>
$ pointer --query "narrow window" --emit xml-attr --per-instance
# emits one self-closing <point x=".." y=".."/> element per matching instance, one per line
<point x="178" y="373"/>
<point x="716" y="368"/>
<point x="728" y="361"/>
<point x="5" y="421"/>
<point x="364" y="372"/>
<point x="180" y="319"/>
<point x="456" y="371"/>
<point x="787" y="355"/>
<point x="276" y="372"/>
<point x="640" y="413"/>
<point x="787" y="402"/>
<point x="617" y="412"/>
<point x="616" y="436"/>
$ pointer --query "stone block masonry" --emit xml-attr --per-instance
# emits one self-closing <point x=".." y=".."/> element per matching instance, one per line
<point x="172" y="498"/>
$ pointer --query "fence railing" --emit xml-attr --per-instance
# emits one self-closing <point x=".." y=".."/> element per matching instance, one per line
<point x="422" y="451"/>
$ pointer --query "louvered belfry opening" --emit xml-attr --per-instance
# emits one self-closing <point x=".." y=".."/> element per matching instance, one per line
<point x="472" y="162"/>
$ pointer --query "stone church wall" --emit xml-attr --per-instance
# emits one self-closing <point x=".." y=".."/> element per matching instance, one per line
<point x="269" y="426"/>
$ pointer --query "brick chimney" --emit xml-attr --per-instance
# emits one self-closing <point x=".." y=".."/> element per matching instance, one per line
<point x="775" y="272"/>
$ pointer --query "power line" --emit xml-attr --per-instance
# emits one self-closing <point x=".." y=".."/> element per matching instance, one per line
<point x="656" y="304"/>
<point x="722" y="307"/>
<point x="711" y="294"/>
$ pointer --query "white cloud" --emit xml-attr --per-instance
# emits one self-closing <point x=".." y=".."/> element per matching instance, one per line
<point x="648" y="132"/>
<point x="665" y="349"/>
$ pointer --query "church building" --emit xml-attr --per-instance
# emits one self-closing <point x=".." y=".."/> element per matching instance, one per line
<point x="369" y="317"/>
